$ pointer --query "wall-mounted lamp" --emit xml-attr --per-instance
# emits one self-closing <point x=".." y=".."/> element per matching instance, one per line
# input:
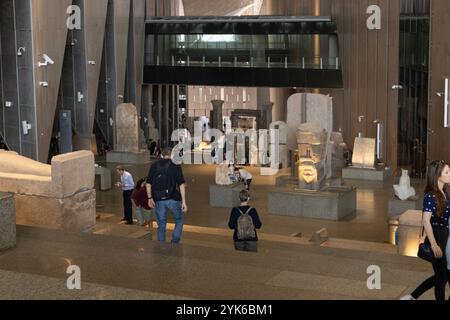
<point x="397" y="87"/>
<point x="47" y="61"/>
<point x="92" y="62"/>
<point x="26" y="127"/>
<point x="120" y="97"/>
<point x="8" y="104"/>
<point x="111" y="122"/>
<point x="43" y="84"/>
<point x="21" y="51"/>
<point x="102" y="111"/>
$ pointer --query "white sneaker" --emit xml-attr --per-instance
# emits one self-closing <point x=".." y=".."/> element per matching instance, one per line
<point x="408" y="297"/>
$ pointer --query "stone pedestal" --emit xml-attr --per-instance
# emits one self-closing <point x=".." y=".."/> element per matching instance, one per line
<point x="105" y="178"/>
<point x="397" y="207"/>
<point x="380" y="175"/>
<point x="141" y="157"/>
<point x="7" y="221"/>
<point x="74" y="213"/>
<point x="225" y="196"/>
<point x="409" y="233"/>
<point x="331" y="204"/>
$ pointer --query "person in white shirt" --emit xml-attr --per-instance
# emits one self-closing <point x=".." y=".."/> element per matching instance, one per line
<point x="246" y="176"/>
<point x="127" y="185"/>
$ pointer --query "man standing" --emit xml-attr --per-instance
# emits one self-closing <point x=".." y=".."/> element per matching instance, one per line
<point x="166" y="191"/>
<point x="127" y="185"/>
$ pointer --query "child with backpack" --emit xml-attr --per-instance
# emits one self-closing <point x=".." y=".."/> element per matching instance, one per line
<point x="245" y="220"/>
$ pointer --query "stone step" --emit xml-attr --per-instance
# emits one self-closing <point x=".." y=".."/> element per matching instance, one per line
<point x="222" y="239"/>
<point x="196" y="270"/>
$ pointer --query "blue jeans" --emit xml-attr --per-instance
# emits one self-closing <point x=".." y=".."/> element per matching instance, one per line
<point x="162" y="209"/>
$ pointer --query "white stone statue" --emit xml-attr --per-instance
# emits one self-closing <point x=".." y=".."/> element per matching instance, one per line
<point x="404" y="191"/>
<point x="222" y="175"/>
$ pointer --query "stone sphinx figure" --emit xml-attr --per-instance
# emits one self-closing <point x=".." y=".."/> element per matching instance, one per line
<point x="56" y="196"/>
<point x="403" y="190"/>
<point x="312" y="148"/>
<point x="13" y="163"/>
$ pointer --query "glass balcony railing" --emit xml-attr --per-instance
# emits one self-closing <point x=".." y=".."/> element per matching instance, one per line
<point x="244" y="51"/>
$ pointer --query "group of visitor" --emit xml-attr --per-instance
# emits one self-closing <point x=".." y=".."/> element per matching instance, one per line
<point x="164" y="190"/>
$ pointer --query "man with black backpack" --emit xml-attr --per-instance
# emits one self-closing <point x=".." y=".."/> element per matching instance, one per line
<point x="245" y="220"/>
<point x="166" y="191"/>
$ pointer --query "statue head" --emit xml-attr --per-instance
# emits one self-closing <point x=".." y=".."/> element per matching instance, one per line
<point x="308" y="172"/>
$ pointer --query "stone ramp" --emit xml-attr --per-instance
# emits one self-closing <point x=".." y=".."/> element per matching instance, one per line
<point x="200" y="271"/>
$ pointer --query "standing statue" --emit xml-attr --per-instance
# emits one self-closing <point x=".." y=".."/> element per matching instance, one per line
<point x="404" y="191"/>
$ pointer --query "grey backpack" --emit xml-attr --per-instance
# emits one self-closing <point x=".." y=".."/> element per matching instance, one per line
<point x="245" y="226"/>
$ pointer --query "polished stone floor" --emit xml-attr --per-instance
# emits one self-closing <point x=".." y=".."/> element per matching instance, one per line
<point x="203" y="267"/>
<point x="369" y="223"/>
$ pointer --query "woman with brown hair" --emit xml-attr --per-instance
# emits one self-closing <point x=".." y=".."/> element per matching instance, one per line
<point x="436" y="213"/>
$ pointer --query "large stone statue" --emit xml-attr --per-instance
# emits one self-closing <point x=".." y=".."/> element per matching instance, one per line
<point x="312" y="148"/>
<point x="127" y="129"/>
<point x="403" y="190"/>
<point x="222" y="175"/>
<point x="56" y="196"/>
<point x="153" y="132"/>
<point x="338" y="149"/>
<point x="127" y="149"/>
<point x="315" y="109"/>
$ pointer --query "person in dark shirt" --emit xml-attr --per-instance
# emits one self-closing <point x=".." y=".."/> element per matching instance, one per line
<point x="170" y="196"/>
<point x="249" y="244"/>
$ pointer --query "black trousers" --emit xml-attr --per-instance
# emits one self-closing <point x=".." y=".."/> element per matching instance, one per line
<point x="128" y="206"/>
<point x="248" y="183"/>
<point x="441" y="273"/>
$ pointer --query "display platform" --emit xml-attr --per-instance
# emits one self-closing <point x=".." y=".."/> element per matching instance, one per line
<point x="353" y="173"/>
<point x="225" y="196"/>
<point x="128" y="157"/>
<point x="104" y="175"/>
<point x="397" y="207"/>
<point x="333" y="203"/>
<point x="7" y="221"/>
<point x="409" y="233"/>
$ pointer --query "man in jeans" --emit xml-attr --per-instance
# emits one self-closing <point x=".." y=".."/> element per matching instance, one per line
<point x="166" y="191"/>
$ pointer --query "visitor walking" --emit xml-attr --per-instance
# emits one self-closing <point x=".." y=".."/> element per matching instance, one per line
<point x="245" y="220"/>
<point x="436" y="214"/>
<point x="144" y="213"/>
<point x="127" y="185"/>
<point x="166" y="190"/>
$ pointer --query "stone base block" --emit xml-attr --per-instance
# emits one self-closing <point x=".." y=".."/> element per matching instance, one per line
<point x="7" y="221"/>
<point x="225" y="196"/>
<point x="397" y="207"/>
<point x="352" y="173"/>
<point x="104" y="175"/>
<point x="409" y="233"/>
<point x="75" y="213"/>
<point x="128" y="158"/>
<point x="331" y="204"/>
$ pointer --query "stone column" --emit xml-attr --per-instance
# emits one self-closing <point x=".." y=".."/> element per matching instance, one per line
<point x="217" y="114"/>
<point x="7" y="221"/>
<point x="266" y="120"/>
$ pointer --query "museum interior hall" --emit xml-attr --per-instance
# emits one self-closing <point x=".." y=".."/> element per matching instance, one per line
<point x="320" y="117"/>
